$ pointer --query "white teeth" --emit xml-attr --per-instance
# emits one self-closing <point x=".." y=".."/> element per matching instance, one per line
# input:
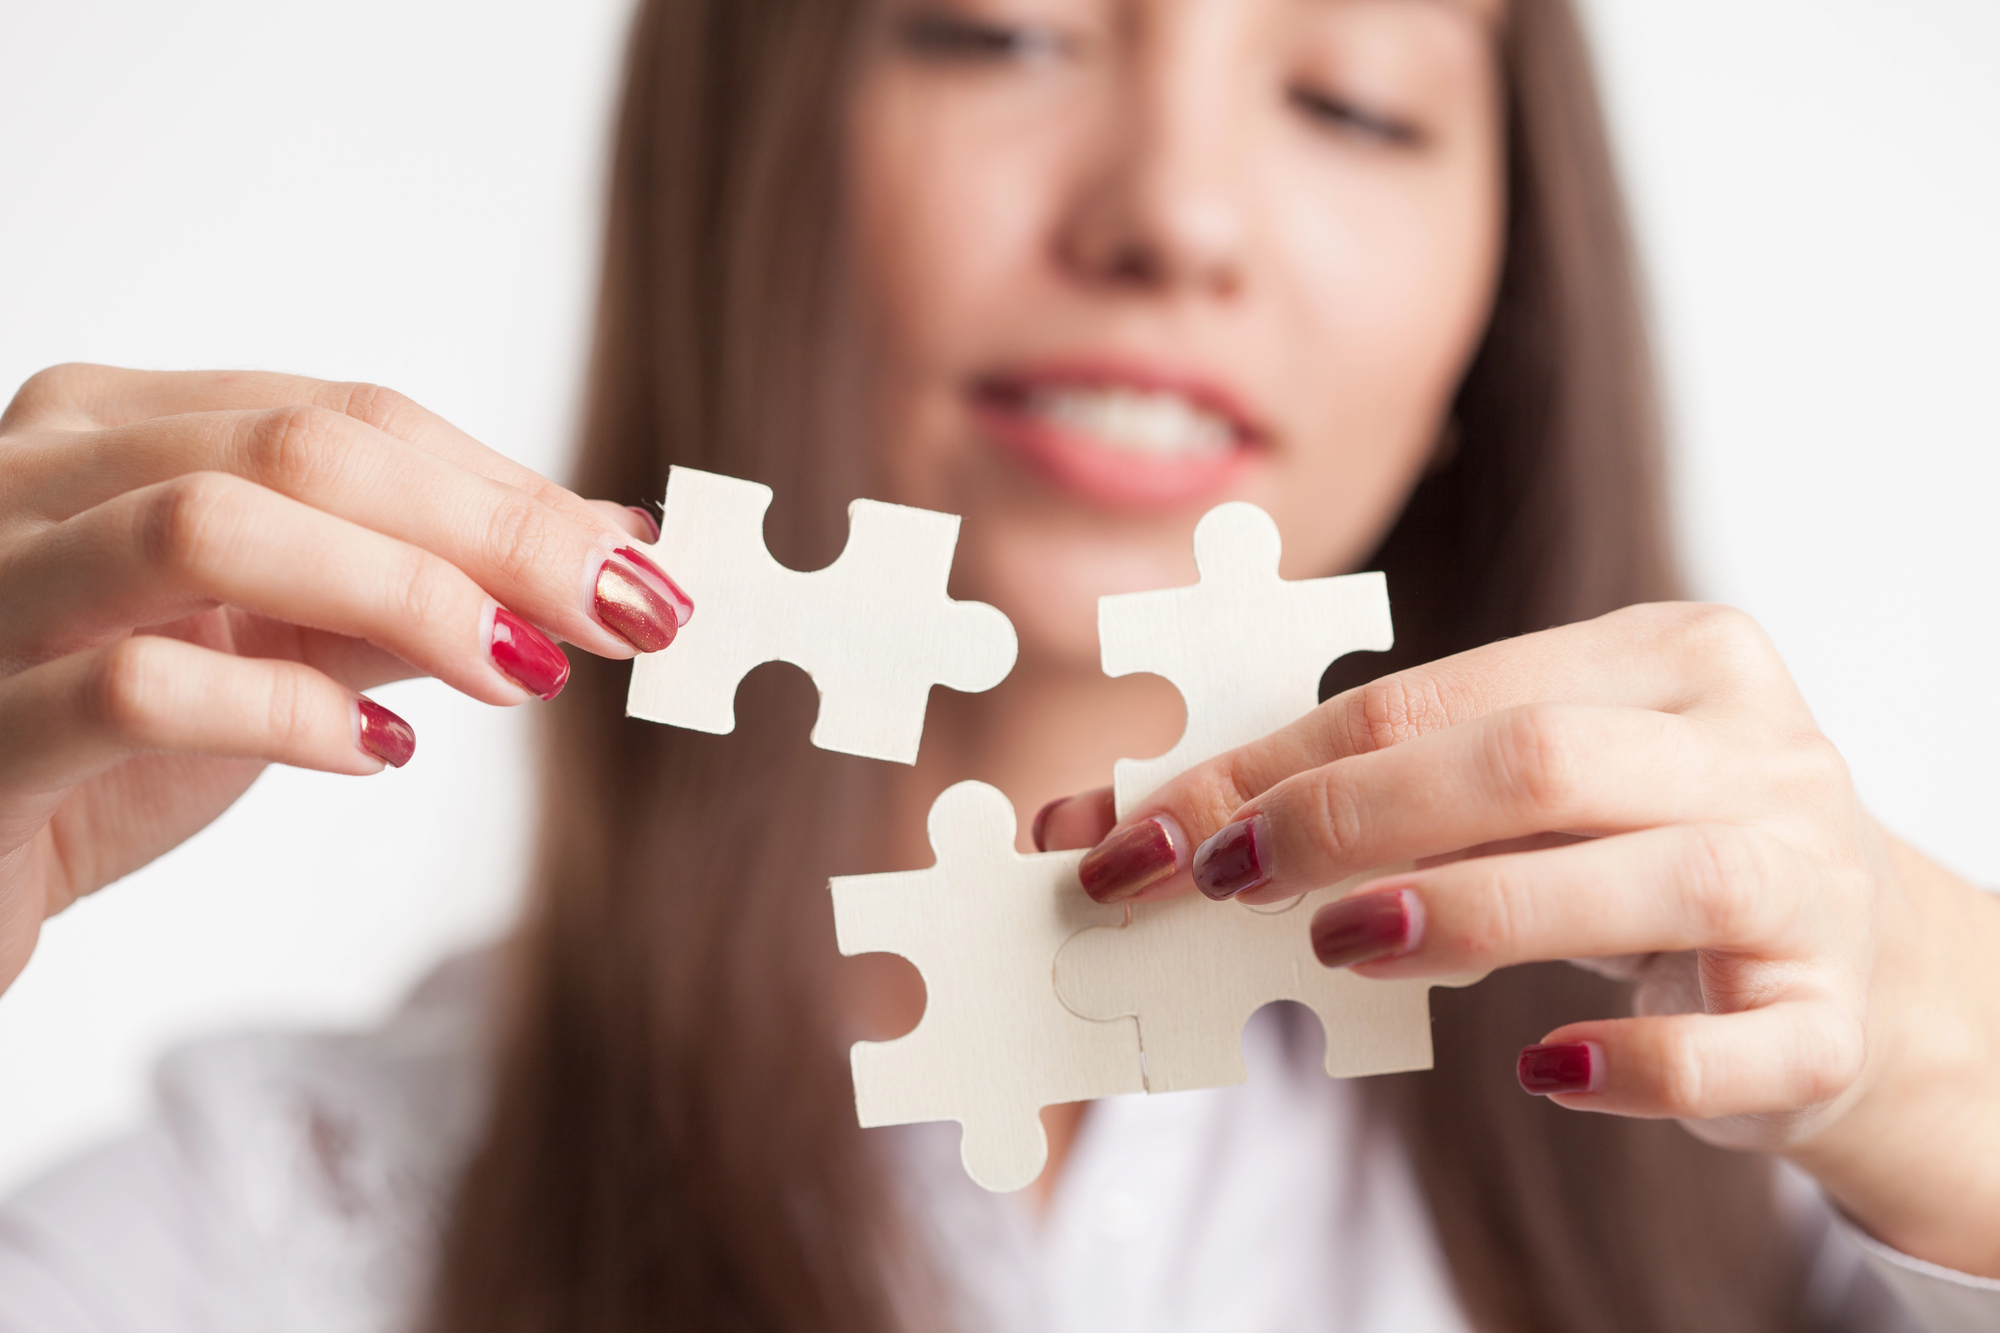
<point x="1157" y="425"/>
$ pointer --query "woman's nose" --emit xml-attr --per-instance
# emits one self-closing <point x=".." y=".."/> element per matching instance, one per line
<point x="1158" y="206"/>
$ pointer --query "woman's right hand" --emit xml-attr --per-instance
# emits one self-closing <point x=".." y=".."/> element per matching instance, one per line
<point x="199" y="573"/>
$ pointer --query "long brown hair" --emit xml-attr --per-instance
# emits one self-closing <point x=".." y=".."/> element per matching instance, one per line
<point x="672" y="1142"/>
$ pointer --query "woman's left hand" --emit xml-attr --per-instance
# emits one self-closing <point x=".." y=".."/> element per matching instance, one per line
<point x="1648" y="794"/>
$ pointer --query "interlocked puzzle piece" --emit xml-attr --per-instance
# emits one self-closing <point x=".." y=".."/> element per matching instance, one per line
<point x="995" y="1045"/>
<point x="1193" y="971"/>
<point x="875" y="629"/>
<point x="1246" y="649"/>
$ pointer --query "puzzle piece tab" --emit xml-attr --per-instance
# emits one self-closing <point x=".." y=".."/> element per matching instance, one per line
<point x="875" y="629"/>
<point x="1192" y="972"/>
<point x="1245" y="648"/>
<point x="995" y="1045"/>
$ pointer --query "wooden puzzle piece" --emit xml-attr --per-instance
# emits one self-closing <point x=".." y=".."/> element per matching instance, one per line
<point x="1245" y="648"/>
<point x="995" y="1045"/>
<point x="875" y="629"/>
<point x="1192" y="972"/>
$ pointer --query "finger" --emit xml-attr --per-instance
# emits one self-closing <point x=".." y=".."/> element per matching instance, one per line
<point x="1697" y="886"/>
<point x="1785" y="1058"/>
<point x="67" y="720"/>
<point x="1537" y="770"/>
<point x="584" y="581"/>
<point x="1669" y="657"/>
<point x="109" y="396"/>
<point x="355" y="663"/>
<point x="157" y="555"/>
<point x="1069" y="822"/>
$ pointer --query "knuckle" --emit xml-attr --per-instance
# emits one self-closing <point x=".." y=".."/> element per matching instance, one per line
<point x="419" y="590"/>
<point x="186" y="526"/>
<point x="54" y="392"/>
<point x="290" y="712"/>
<point x="521" y="540"/>
<point x="1390" y="710"/>
<point x="125" y="691"/>
<point x="1680" y="1066"/>
<point x="290" y="449"/>
<point x="1538" y="759"/>
<point x="1833" y="1061"/>
<point x="1338" y="828"/>
<point x="383" y="408"/>
<point x="1500" y="916"/>
<point x="1725" y="642"/>
<point x="1728" y="885"/>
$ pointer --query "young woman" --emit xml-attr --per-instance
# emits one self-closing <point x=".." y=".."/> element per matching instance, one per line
<point x="1076" y="270"/>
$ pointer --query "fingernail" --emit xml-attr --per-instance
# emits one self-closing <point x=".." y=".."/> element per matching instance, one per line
<point x="637" y="601"/>
<point x="646" y="517"/>
<point x="1132" y="860"/>
<point x="1041" y="824"/>
<point x="525" y="655"/>
<point x="382" y="734"/>
<point x="1365" y="927"/>
<point x="1235" y="859"/>
<point x="1576" y="1066"/>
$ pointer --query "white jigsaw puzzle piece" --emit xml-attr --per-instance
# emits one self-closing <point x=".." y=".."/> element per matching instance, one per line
<point x="1192" y="972"/>
<point x="1246" y="649"/>
<point x="995" y="1045"/>
<point x="875" y="629"/>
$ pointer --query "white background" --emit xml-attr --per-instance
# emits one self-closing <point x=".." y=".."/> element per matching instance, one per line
<point x="408" y="192"/>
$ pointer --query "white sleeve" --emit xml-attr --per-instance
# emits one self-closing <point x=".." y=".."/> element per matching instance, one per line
<point x="119" y="1241"/>
<point x="1942" y="1299"/>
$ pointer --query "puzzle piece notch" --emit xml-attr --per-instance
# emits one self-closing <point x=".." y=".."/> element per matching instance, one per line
<point x="1192" y="972"/>
<point x="1245" y="648"/>
<point x="875" y="629"/>
<point x="995" y="1044"/>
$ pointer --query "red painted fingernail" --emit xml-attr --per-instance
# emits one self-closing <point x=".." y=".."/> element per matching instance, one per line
<point x="382" y="734"/>
<point x="1576" y="1066"/>
<point x="526" y="656"/>
<point x="1132" y="860"/>
<point x="1236" y="859"/>
<point x="646" y="517"/>
<point x="1041" y="825"/>
<point x="1364" y="928"/>
<point x="639" y="603"/>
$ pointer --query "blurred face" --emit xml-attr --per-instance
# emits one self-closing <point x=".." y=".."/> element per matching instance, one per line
<point x="1122" y="260"/>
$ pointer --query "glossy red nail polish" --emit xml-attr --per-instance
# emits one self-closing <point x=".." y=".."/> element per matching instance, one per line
<point x="1563" y="1067"/>
<point x="1363" y="928"/>
<point x="382" y="734"/>
<point x="630" y="605"/>
<point x="669" y="592"/>
<point x="1236" y="859"/>
<point x="1041" y="824"/>
<point x="1129" y="861"/>
<point x="526" y="656"/>
<point x="646" y="516"/>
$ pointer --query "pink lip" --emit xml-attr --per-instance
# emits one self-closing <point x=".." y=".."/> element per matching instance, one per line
<point x="1078" y="463"/>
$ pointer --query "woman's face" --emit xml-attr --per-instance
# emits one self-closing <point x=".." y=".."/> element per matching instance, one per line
<point x="1122" y="260"/>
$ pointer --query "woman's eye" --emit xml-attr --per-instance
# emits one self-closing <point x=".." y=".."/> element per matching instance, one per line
<point x="1337" y="113"/>
<point x="942" y="36"/>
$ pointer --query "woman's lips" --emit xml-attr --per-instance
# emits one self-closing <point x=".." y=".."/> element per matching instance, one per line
<point x="1128" y="441"/>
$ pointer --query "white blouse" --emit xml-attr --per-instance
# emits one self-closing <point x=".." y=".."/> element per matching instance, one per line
<point x="296" y="1184"/>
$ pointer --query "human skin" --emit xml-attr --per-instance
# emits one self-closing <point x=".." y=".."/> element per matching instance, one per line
<point x="1273" y="225"/>
<point x="202" y="570"/>
<point x="1069" y="197"/>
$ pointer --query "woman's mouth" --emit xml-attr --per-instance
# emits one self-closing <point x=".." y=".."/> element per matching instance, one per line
<point x="1122" y="441"/>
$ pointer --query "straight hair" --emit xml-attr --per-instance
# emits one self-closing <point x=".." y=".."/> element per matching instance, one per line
<point x="672" y="1142"/>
